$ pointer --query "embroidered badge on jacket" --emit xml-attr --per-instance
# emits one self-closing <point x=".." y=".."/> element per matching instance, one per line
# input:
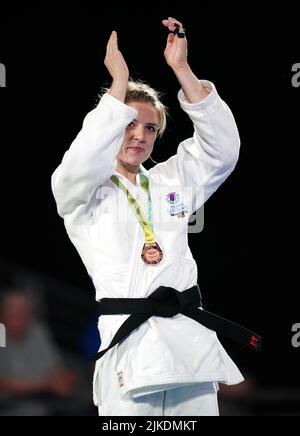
<point x="176" y="208"/>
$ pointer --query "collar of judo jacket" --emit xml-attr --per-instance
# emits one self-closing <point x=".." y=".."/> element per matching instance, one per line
<point x="142" y="170"/>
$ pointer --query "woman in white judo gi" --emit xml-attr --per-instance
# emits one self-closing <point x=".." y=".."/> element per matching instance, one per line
<point x="130" y="225"/>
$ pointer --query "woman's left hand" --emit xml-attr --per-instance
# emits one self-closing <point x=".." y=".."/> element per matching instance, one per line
<point x="176" y="49"/>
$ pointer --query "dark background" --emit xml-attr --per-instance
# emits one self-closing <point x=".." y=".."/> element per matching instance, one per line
<point x="247" y="254"/>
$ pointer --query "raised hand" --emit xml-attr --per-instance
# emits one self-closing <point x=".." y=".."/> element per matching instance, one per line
<point x="117" y="68"/>
<point x="176" y="49"/>
<point x="176" y="57"/>
<point x="114" y="60"/>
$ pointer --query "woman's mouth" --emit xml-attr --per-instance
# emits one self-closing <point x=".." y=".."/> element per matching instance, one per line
<point x="136" y="149"/>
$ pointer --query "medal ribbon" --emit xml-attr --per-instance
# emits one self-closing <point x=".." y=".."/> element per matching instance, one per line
<point x="146" y="224"/>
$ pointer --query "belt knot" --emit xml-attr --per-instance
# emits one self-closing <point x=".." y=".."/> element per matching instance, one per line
<point x="170" y="302"/>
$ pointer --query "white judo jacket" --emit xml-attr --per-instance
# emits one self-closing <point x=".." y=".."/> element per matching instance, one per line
<point x="162" y="352"/>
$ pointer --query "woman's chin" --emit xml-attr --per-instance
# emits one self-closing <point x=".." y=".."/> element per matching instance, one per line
<point x="134" y="161"/>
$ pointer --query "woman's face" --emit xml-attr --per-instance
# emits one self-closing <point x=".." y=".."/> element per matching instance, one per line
<point x="140" y="135"/>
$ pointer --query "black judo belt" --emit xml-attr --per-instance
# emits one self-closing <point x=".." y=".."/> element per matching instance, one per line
<point x="168" y="302"/>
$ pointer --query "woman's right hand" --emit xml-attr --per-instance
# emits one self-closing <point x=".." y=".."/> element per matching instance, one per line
<point x="114" y="60"/>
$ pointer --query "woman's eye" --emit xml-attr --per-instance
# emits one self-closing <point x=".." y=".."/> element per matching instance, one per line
<point x="130" y="124"/>
<point x="151" y="129"/>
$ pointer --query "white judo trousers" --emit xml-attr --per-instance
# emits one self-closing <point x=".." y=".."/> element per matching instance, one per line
<point x="196" y="399"/>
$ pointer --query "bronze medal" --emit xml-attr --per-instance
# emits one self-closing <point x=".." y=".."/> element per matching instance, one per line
<point x="152" y="253"/>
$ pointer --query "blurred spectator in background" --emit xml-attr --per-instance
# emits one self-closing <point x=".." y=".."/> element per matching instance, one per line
<point x="32" y="376"/>
<point x="235" y="400"/>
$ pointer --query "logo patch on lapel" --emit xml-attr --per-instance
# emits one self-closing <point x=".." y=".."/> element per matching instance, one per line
<point x="172" y="198"/>
<point x="176" y="208"/>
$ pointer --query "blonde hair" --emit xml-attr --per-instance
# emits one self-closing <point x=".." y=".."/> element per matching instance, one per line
<point x="140" y="91"/>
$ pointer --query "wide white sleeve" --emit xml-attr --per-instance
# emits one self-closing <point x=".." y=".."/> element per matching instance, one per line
<point x="91" y="158"/>
<point x="204" y="161"/>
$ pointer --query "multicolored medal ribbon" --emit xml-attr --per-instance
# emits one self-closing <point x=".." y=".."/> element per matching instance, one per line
<point x="151" y="253"/>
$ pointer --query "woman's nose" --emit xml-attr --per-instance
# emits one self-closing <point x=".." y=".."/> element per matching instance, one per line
<point x="139" y="133"/>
